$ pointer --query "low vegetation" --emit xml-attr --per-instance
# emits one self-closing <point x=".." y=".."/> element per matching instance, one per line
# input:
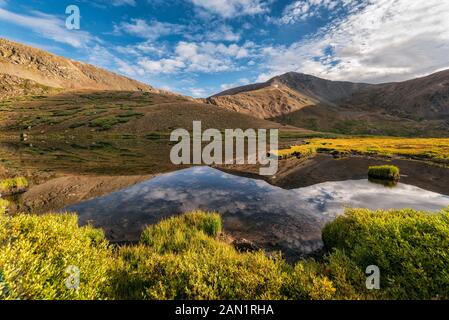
<point x="434" y="149"/>
<point x="37" y="252"/>
<point x="13" y="185"/>
<point x="384" y="172"/>
<point x="4" y="205"/>
<point x="410" y="248"/>
<point x="104" y="123"/>
<point x="301" y="151"/>
<point x="185" y="258"/>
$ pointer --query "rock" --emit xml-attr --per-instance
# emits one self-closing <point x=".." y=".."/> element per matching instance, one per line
<point x="244" y="245"/>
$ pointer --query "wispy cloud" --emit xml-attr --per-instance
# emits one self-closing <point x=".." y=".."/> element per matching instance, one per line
<point x="149" y="30"/>
<point x="387" y="40"/>
<point x="238" y="83"/>
<point x="233" y="8"/>
<point x="301" y="10"/>
<point x="119" y="3"/>
<point x="198" y="92"/>
<point x="219" y="33"/>
<point x="48" y="26"/>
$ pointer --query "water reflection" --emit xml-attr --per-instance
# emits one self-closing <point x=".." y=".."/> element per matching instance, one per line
<point x="271" y="217"/>
<point x="385" y="183"/>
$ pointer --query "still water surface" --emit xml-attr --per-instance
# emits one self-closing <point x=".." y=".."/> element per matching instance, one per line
<point x="271" y="217"/>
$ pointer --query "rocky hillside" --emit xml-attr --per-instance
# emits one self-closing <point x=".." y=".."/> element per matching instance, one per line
<point x="27" y="70"/>
<point x="422" y="98"/>
<point x="267" y="101"/>
<point x="419" y="107"/>
<point x="284" y="94"/>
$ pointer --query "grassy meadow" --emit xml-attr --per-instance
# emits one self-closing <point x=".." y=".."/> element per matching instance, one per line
<point x="430" y="149"/>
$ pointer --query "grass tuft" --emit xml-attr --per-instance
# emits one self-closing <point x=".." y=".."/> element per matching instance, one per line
<point x="387" y="172"/>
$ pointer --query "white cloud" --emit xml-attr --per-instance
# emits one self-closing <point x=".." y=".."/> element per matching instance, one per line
<point x="387" y="40"/>
<point x="102" y="57"/>
<point x="238" y="83"/>
<point x="153" y="30"/>
<point x="304" y="9"/>
<point x="232" y="8"/>
<point x="206" y="57"/>
<point x="142" y="49"/>
<point x="47" y="26"/>
<point x="162" y="65"/>
<point x="198" y="92"/>
<point x="221" y="33"/>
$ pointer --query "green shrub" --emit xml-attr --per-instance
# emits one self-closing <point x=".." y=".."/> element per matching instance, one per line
<point x="104" y="123"/>
<point x="410" y="248"/>
<point x="384" y="172"/>
<point x="13" y="185"/>
<point x="35" y="252"/>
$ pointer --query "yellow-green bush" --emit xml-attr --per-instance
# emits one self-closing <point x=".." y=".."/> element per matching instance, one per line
<point x="183" y="258"/>
<point x="13" y="185"/>
<point x="4" y="205"/>
<point x="35" y="252"/>
<point x="307" y="282"/>
<point x="217" y="271"/>
<point x="180" y="259"/>
<point x="410" y="247"/>
<point x="179" y="233"/>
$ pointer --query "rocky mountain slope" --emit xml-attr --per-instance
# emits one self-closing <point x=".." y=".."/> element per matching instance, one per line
<point x="27" y="70"/>
<point x="284" y="94"/>
<point x="265" y="102"/>
<point x="415" y="107"/>
<point x="421" y="98"/>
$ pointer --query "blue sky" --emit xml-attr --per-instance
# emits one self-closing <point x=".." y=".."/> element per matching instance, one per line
<point x="200" y="47"/>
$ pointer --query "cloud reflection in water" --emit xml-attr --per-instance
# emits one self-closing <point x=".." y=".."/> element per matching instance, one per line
<point x="271" y="217"/>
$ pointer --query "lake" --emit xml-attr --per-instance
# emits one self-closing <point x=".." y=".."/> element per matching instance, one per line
<point x="270" y="217"/>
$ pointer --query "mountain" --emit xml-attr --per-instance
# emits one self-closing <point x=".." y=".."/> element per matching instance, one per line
<point x="41" y="93"/>
<point x="284" y="94"/>
<point x="264" y="102"/>
<point x="419" y="107"/>
<point x="422" y="98"/>
<point x="26" y="70"/>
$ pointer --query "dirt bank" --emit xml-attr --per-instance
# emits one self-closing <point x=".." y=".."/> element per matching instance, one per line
<point x="64" y="191"/>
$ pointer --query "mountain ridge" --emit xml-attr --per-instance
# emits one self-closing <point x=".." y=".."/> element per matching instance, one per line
<point x="27" y="66"/>
<point x="417" y="106"/>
